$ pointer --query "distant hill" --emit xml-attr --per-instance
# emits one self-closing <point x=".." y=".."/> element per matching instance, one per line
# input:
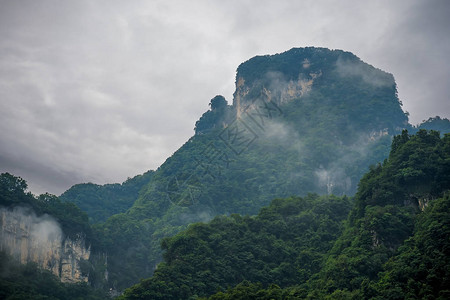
<point x="102" y="201"/>
<point x="436" y="123"/>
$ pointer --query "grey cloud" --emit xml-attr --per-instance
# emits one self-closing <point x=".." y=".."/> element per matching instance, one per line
<point x="368" y="74"/>
<point x="415" y="49"/>
<point x="99" y="91"/>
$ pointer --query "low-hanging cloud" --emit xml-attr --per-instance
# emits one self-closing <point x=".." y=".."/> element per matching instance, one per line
<point x="335" y="176"/>
<point x="367" y="73"/>
<point x="28" y="237"/>
<point x="100" y="91"/>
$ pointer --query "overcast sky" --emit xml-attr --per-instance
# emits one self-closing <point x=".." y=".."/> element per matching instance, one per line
<point x="98" y="91"/>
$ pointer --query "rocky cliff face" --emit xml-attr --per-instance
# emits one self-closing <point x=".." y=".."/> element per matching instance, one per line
<point x="323" y="77"/>
<point x="29" y="238"/>
<point x="276" y="79"/>
<point x="274" y="87"/>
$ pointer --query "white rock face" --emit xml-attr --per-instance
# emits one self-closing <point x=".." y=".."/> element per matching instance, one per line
<point x="29" y="238"/>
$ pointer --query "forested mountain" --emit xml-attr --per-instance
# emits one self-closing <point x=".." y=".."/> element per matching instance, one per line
<point x="303" y="125"/>
<point x="393" y="245"/>
<point x="310" y="120"/>
<point x="102" y="201"/>
<point x="395" y="204"/>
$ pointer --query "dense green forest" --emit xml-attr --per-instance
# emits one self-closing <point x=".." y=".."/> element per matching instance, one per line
<point x="284" y="244"/>
<point x="437" y="123"/>
<point x="394" y="244"/>
<point x="102" y="201"/>
<point x="19" y="282"/>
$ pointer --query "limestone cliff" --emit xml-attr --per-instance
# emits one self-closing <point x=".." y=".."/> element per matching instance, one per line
<point x="326" y="78"/>
<point x="29" y="238"/>
<point x="245" y="97"/>
<point x="259" y="79"/>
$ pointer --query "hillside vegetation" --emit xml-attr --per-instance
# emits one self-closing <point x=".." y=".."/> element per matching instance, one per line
<point x="394" y="244"/>
<point x="310" y="120"/>
<point x="310" y="183"/>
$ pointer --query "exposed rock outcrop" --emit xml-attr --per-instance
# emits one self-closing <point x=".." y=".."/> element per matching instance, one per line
<point x="29" y="238"/>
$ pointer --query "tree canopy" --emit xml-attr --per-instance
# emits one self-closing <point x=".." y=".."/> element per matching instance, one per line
<point x="393" y="244"/>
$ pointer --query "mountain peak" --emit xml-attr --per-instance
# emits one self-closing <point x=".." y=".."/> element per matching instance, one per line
<point x="293" y="74"/>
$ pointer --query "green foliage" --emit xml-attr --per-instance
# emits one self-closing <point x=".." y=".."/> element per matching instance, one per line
<point x="248" y="290"/>
<point x="72" y="220"/>
<point x="370" y="257"/>
<point x="302" y="248"/>
<point x="114" y="238"/>
<point x="418" y="169"/>
<point x="218" y="103"/>
<point x="219" y="116"/>
<point x="320" y="142"/>
<point x="74" y="224"/>
<point x="436" y="123"/>
<point x="103" y="201"/>
<point x="284" y="244"/>
<point x="29" y="282"/>
<point x="13" y="191"/>
<point x="348" y="90"/>
<point x="421" y="268"/>
<point x="339" y="119"/>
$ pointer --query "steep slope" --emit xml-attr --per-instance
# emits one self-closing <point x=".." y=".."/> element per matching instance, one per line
<point x="39" y="239"/>
<point x="310" y="120"/>
<point x="387" y="212"/>
<point x="45" y="246"/>
<point x="307" y="120"/>
<point x="297" y="120"/>
<point x="394" y="245"/>
<point x="28" y="281"/>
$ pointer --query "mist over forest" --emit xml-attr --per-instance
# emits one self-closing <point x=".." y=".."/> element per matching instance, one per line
<point x="310" y="183"/>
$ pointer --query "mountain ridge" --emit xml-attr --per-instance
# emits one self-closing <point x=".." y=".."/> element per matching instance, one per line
<point x="305" y="120"/>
